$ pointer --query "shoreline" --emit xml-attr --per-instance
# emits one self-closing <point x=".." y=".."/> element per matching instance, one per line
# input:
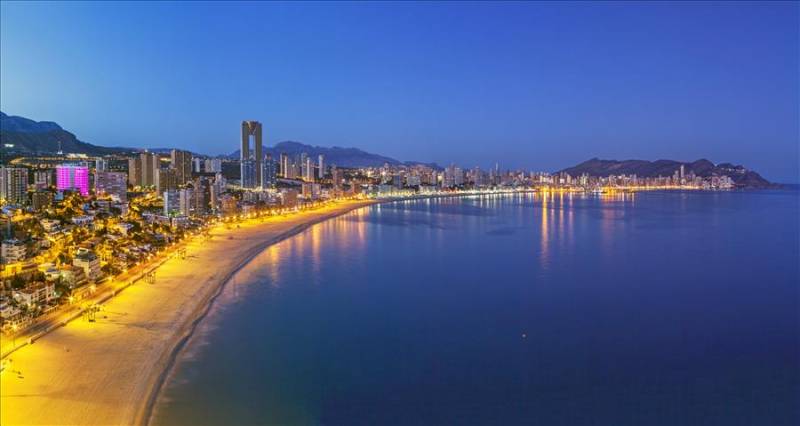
<point x="133" y="353"/>
<point x="168" y="360"/>
<point x="155" y="361"/>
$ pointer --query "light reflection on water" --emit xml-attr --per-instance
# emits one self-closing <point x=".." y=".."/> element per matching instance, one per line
<point x="653" y="308"/>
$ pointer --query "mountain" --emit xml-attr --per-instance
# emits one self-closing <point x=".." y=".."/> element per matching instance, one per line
<point x="741" y="176"/>
<point x="26" y="125"/>
<point x="343" y="157"/>
<point x="24" y="136"/>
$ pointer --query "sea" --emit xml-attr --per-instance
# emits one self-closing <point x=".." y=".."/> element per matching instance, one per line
<point x="646" y="308"/>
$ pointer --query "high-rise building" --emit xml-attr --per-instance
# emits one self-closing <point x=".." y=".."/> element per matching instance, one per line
<point x="41" y="199"/>
<point x="269" y="173"/>
<point x="73" y="177"/>
<point x="213" y="165"/>
<point x="181" y="162"/>
<point x="43" y="179"/>
<point x="197" y="165"/>
<point x="166" y="179"/>
<point x="336" y="176"/>
<point x="14" y="185"/>
<point x="201" y="195"/>
<point x="308" y="170"/>
<point x="284" y="165"/>
<point x="321" y="167"/>
<point x="185" y="204"/>
<point x="135" y="171"/>
<point x="251" y="161"/>
<point x="171" y="202"/>
<point x="151" y="163"/>
<point x="458" y="176"/>
<point x="100" y="165"/>
<point x="304" y="165"/>
<point x="112" y="184"/>
<point x="213" y="193"/>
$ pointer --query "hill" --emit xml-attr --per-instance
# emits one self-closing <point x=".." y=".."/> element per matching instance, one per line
<point x="741" y="176"/>
<point x="23" y="136"/>
<point x="343" y="157"/>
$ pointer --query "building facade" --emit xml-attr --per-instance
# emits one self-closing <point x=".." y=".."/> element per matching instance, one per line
<point x="112" y="184"/>
<point x="181" y="162"/>
<point x="72" y="177"/>
<point x="14" y="185"/>
<point x="251" y="160"/>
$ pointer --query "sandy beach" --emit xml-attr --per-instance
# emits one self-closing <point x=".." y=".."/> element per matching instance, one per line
<point x="104" y="373"/>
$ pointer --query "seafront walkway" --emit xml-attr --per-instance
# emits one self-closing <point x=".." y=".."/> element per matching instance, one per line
<point x="104" y="372"/>
<point x="97" y="294"/>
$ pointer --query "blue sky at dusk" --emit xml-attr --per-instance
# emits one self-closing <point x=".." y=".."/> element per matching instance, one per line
<point x="534" y="85"/>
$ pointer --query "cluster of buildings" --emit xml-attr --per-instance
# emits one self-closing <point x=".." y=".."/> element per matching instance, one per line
<point x="423" y="178"/>
<point x="68" y="222"/>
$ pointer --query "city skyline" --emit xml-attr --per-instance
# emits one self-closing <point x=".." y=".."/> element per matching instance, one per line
<point x="710" y="81"/>
<point x="399" y="213"/>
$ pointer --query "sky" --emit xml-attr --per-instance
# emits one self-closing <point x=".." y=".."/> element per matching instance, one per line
<point x="539" y="86"/>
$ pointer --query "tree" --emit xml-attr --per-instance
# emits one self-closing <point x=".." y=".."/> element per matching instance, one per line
<point x="18" y="282"/>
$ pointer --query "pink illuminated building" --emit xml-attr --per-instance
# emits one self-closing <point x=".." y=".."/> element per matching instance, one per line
<point x="70" y="177"/>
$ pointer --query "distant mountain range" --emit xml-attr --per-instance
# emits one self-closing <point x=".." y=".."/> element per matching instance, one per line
<point x="343" y="157"/>
<point x="19" y="135"/>
<point x="22" y="135"/>
<point x="741" y="176"/>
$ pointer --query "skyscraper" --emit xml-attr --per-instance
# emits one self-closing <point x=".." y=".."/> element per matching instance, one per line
<point x="304" y="162"/>
<point x="284" y="165"/>
<point x="73" y="177"/>
<point x="251" y="162"/>
<point x="321" y="173"/>
<point x="185" y="198"/>
<point x="150" y="164"/>
<point x="201" y="196"/>
<point x="166" y="179"/>
<point x="14" y="184"/>
<point x="111" y="184"/>
<point x="135" y="171"/>
<point x="309" y="170"/>
<point x="181" y="161"/>
<point x="336" y="177"/>
<point x="269" y="172"/>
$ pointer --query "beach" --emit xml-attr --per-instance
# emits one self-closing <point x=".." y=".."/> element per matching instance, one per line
<point x="107" y="372"/>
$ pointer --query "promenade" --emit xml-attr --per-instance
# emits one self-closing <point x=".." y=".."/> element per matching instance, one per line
<point x="104" y="372"/>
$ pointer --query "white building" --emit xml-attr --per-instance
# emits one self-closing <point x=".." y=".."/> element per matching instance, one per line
<point x="89" y="262"/>
<point x="13" y="251"/>
<point x="35" y="293"/>
<point x="82" y="220"/>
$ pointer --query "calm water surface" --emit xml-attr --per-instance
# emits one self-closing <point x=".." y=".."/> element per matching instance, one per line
<point x="648" y="309"/>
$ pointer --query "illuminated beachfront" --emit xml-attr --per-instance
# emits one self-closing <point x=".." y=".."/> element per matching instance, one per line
<point x="64" y="238"/>
<point x="129" y="345"/>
